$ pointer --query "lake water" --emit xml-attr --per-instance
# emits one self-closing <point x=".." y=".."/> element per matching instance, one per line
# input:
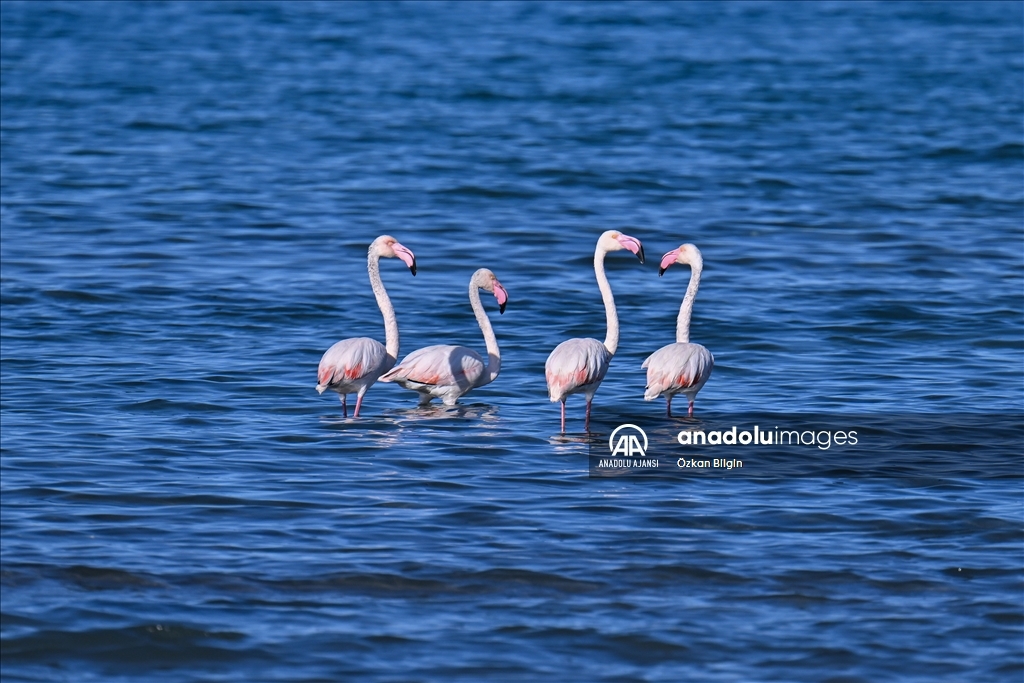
<point x="188" y="191"/>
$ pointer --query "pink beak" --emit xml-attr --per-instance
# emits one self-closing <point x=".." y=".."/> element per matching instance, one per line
<point x="667" y="260"/>
<point x="501" y="295"/>
<point x="633" y="244"/>
<point x="407" y="256"/>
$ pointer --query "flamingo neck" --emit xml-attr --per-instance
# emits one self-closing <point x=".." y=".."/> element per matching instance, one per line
<point x="384" y="303"/>
<point x="493" y="354"/>
<point x="686" y="309"/>
<point x="611" y="340"/>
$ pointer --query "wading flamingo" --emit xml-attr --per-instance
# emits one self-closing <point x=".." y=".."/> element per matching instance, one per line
<point x="577" y="366"/>
<point x="353" y="365"/>
<point x="680" y="368"/>
<point x="448" y="372"/>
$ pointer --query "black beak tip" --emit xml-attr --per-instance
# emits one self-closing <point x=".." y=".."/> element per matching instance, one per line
<point x="413" y="267"/>
<point x="661" y="271"/>
<point x="501" y="308"/>
<point x="640" y="254"/>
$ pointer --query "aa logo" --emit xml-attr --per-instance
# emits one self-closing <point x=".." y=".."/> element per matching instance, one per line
<point x="628" y="445"/>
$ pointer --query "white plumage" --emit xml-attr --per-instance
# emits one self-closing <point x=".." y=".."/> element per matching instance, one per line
<point x="353" y="365"/>
<point x="577" y="366"/>
<point x="448" y="372"/>
<point x="680" y="368"/>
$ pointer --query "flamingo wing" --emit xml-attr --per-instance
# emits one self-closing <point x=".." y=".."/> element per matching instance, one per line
<point x="439" y="366"/>
<point x="677" y="368"/>
<point x="575" y="364"/>
<point x="352" y="361"/>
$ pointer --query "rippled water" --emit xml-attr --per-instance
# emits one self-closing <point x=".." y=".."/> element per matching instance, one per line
<point x="188" y="190"/>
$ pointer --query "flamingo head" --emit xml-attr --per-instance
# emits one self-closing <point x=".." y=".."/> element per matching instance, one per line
<point x="387" y="246"/>
<point x="613" y="240"/>
<point x="687" y="254"/>
<point x="485" y="280"/>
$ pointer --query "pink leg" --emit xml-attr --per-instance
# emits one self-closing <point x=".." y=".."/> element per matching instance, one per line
<point x="359" y="402"/>
<point x="344" y="405"/>
<point x="668" y="404"/>
<point x="586" y="422"/>
<point x="563" y="417"/>
<point x="691" y="408"/>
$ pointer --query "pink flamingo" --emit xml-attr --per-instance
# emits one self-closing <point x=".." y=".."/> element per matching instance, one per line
<point x="680" y="368"/>
<point x="353" y="365"/>
<point x="578" y="365"/>
<point x="448" y="372"/>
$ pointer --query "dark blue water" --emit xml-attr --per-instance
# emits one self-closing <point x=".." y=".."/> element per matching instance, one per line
<point x="188" y="190"/>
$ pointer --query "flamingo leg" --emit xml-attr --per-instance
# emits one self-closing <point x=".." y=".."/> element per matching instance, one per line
<point x="359" y="403"/>
<point x="586" y="422"/>
<point x="668" y="404"/>
<point x="563" y="416"/>
<point x="344" y="405"/>
<point x="691" y="409"/>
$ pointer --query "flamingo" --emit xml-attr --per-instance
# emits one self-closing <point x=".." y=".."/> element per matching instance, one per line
<point x="353" y="365"/>
<point x="680" y="368"/>
<point x="578" y="365"/>
<point x="448" y="372"/>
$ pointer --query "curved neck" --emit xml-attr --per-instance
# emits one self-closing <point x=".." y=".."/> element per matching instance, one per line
<point x="493" y="354"/>
<point x="384" y="303"/>
<point x="611" y="340"/>
<point x="686" y="309"/>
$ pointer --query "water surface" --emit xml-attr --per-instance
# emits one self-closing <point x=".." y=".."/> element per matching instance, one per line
<point x="188" y="190"/>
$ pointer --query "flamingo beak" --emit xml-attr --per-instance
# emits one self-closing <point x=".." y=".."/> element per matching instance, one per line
<point x="633" y="245"/>
<point x="407" y="256"/>
<point x="501" y="295"/>
<point x="667" y="260"/>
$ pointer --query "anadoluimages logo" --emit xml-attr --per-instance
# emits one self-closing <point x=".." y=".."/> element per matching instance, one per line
<point x="628" y="445"/>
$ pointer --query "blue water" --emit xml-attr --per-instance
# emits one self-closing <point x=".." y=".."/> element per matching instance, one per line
<point x="188" y="190"/>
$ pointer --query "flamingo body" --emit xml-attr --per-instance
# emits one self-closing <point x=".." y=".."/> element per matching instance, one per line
<point x="441" y="371"/>
<point x="576" y="366"/>
<point x="677" y="369"/>
<point x="351" y="366"/>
